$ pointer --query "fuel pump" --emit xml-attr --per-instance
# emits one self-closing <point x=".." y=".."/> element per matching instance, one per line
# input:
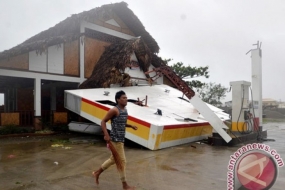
<point x="242" y="118"/>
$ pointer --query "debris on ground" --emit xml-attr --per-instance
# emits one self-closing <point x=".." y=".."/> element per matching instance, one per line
<point x="11" y="156"/>
<point x="57" y="145"/>
<point x="61" y="145"/>
<point x="179" y="148"/>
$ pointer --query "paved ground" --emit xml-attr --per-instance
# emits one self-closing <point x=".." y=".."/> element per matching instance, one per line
<point x="34" y="164"/>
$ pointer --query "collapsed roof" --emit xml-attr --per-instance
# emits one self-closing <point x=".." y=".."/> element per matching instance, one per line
<point x="116" y="57"/>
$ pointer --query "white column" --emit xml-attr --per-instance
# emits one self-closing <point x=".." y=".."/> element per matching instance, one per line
<point x="53" y="98"/>
<point x="37" y="96"/>
<point x="81" y="47"/>
<point x="256" y="67"/>
<point x="6" y="100"/>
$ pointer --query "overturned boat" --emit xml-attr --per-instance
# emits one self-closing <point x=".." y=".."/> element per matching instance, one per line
<point x="164" y="118"/>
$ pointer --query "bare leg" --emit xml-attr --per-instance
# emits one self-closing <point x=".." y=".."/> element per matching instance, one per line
<point x="127" y="187"/>
<point x="103" y="167"/>
<point x="97" y="174"/>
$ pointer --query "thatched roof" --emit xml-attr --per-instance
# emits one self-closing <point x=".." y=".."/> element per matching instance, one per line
<point x="116" y="57"/>
<point x="69" y="29"/>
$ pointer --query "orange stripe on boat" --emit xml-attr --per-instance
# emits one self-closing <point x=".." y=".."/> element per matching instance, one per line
<point x="166" y="127"/>
<point x="185" y="132"/>
<point x="146" y="124"/>
<point x="95" y="104"/>
<point x="99" y="111"/>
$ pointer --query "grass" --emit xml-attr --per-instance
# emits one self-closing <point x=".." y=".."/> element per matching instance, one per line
<point x="62" y="128"/>
<point x="60" y="141"/>
<point x="12" y="129"/>
<point x="270" y="120"/>
<point x="45" y="131"/>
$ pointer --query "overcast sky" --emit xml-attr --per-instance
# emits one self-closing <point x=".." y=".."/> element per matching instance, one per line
<point x="214" y="33"/>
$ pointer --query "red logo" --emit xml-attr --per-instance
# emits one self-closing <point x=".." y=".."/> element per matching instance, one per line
<point x="257" y="171"/>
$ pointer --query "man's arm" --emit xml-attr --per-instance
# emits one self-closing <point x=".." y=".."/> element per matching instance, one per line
<point x="132" y="126"/>
<point x="111" y="113"/>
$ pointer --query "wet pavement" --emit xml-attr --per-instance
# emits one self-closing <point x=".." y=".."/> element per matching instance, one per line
<point x="45" y="163"/>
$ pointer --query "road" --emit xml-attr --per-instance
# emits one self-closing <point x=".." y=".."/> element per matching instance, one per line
<point x="47" y="163"/>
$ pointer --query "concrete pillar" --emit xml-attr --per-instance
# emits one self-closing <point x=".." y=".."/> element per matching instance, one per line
<point x="6" y="100"/>
<point x="37" y="104"/>
<point x="256" y="67"/>
<point x="8" y="97"/>
<point x="81" y="46"/>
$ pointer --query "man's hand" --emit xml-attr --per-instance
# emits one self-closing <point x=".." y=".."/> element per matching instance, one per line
<point x="134" y="127"/>
<point x="107" y="138"/>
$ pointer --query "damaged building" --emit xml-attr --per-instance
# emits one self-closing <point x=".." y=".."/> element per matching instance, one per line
<point x="104" y="46"/>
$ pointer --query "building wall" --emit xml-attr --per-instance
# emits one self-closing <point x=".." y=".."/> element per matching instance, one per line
<point x="64" y="59"/>
<point x="269" y="103"/>
<point x="92" y="52"/>
<point x="71" y="58"/>
<point x="58" y="59"/>
<point x="55" y="59"/>
<point x="50" y="61"/>
<point x="38" y="61"/>
<point x="10" y="119"/>
<point x="20" y="62"/>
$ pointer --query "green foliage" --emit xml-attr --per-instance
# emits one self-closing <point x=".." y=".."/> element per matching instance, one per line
<point x="60" y="141"/>
<point x="12" y="129"/>
<point x="62" y="128"/>
<point x="188" y="72"/>
<point x="213" y="93"/>
<point x="271" y="120"/>
<point x="195" y="84"/>
<point x="45" y="123"/>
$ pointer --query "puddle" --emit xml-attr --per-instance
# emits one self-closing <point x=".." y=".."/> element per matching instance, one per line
<point x="79" y="140"/>
<point x="14" y="151"/>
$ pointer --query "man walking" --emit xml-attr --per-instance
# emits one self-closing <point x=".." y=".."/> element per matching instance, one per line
<point x="118" y="116"/>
